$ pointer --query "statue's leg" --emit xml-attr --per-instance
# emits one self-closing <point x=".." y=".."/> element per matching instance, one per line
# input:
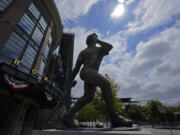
<point x="89" y="92"/>
<point x="98" y="80"/>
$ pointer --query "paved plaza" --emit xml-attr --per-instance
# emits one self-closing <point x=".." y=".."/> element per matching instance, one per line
<point x="91" y="132"/>
<point x="144" y="131"/>
<point x="164" y="131"/>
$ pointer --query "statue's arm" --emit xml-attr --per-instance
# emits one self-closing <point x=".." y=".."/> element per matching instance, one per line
<point x="77" y="66"/>
<point x="105" y="45"/>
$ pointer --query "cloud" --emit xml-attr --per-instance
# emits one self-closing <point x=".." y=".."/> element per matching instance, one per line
<point x="72" y="9"/>
<point x="152" y="13"/>
<point x="128" y="2"/>
<point x="119" y="51"/>
<point x="153" y="73"/>
<point x="120" y="8"/>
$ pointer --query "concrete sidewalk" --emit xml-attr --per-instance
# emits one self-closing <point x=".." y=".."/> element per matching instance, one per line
<point x="91" y="132"/>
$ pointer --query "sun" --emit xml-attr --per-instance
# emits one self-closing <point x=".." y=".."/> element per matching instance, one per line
<point x="118" y="11"/>
<point x="121" y="1"/>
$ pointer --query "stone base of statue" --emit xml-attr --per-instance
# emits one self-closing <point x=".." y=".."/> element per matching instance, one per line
<point x="135" y="130"/>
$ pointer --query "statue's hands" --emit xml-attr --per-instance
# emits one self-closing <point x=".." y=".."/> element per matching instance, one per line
<point x="74" y="83"/>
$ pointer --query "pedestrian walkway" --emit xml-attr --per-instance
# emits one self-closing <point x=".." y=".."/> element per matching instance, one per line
<point x="90" y="132"/>
<point x="164" y="131"/>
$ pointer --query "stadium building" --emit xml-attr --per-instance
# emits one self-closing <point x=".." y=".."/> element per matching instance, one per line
<point x="34" y="81"/>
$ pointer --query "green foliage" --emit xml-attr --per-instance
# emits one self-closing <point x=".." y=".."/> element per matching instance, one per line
<point x="170" y="114"/>
<point x="145" y="110"/>
<point x="99" y="104"/>
<point x="154" y="110"/>
<point x="177" y="111"/>
<point x="88" y="113"/>
<point x="115" y="89"/>
<point x="136" y="113"/>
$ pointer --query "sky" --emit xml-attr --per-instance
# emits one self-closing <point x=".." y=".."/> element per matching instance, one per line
<point x="145" y="35"/>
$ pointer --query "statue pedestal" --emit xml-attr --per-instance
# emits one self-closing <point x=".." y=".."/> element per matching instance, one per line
<point x="105" y="131"/>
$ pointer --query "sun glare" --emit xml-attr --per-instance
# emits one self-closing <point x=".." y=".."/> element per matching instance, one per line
<point x="121" y="1"/>
<point x="118" y="11"/>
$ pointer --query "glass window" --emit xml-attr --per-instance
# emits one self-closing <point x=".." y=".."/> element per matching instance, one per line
<point x="28" y="57"/>
<point x="21" y="33"/>
<point x="31" y="42"/>
<point x="4" y="59"/>
<point x="23" y="68"/>
<point x="25" y="41"/>
<point x="4" y="4"/>
<point x="43" y="23"/>
<point x="13" y="47"/>
<point x="9" y="53"/>
<point x="27" y="24"/>
<point x="37" y="36"/>
<point x="36" y="47"/>
<point x="19" y="30"/>
<point x="34" y="11"/>
<point x="16" y="41"/>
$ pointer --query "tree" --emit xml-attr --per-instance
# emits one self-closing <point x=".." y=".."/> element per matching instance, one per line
<point x="170" y="114"/>
<point x="177" y="111"/>
<point x="135" y="113"/>
<point x="145" y="110"/>
<point x="88" y="113"/>
<point x="154" y="111"/>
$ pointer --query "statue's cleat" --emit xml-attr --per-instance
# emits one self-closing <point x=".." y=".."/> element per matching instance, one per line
<point x="120" y="121"/>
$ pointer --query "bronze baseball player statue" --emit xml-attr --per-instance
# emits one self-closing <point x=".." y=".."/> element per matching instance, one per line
<point x="91" y="58"/>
